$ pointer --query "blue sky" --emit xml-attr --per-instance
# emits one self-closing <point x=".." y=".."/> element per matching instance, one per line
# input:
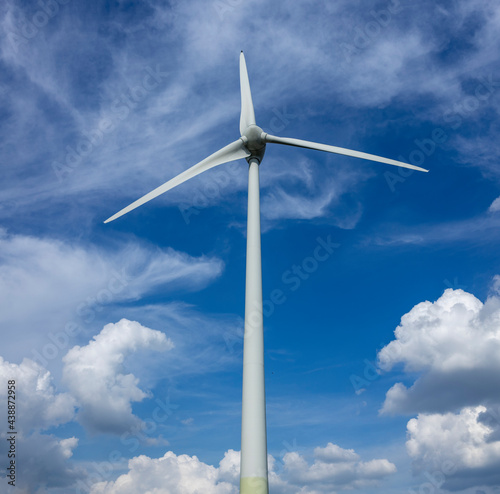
<point x="125" y="339"/>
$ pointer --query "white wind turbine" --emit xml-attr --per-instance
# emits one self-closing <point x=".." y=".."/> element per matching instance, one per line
<point x="251" y="145"/>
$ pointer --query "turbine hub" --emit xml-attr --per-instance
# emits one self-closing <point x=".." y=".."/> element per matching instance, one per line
<point x="254" y="141"/>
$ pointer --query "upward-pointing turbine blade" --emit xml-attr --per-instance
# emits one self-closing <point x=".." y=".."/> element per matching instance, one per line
<point x="231" y="152"/>
<point x="336" y="150"/>
<point x="247" y="116"/>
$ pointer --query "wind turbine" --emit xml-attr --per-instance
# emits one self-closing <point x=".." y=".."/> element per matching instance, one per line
<point x="252" y="145"/>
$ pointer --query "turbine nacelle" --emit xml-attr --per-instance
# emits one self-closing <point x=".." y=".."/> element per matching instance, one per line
<point x="254" y="139"/>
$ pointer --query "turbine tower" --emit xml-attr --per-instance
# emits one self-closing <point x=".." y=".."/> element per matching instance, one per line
<point x="252" y="145"/>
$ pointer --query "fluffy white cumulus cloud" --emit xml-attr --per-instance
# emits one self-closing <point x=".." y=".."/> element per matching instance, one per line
<point x="229" y="467"/>
<point x="94" y="374"/>
<point x="170" y="474"/>
<point x="453" y="347"/>
<point x="42" y="406"/>
<point x="334" y="468"/>
<point x="333" y="454"/>
<point x="96" y="383"/>
<point x="454" y="343"/>
<point x="44" y="463"/>
<point x="449" y="444"/>
<point x="39" y="406"/>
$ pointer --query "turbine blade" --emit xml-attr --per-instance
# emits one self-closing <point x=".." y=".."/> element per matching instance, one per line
<point x="247" y="116"/>
<point x="231" y="152"/>
<point x="336" y="150"/>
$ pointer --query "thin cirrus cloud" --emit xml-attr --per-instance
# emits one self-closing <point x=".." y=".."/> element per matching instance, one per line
<point x="465" y="230"/>
<point x="45" y="74"/>
<point x="495" y="206"/>
<point x="309" y="202"/>
<point x="39" y="293"/>
<point x="135" y="148"/>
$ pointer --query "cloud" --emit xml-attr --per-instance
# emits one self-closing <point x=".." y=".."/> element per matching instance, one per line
<point x="229" y="467"/>
<point x="334" y="468"/>
<point x="52" y="88"/>
<point x="42" y="406"/>
<point x="495" y="286"/>
<point x="334" y="454"/>
<point x="40" y="294"/>
<point x="39" y="407"/>
<point x="96" y="384"/>
<point x="495" y="206"/>
<point x="44" y="462"/>
<point x="455" y="344"/>
<point x="94" y="375"/>
<point x="64" y="83"/>
<point x="170" y="474"/>
<point x="280" y="204"/>
<point x="467" y="230"/>
<point x="456" y="449"/>
<point x="300" y="193"/>
<point x="451" y="348"/>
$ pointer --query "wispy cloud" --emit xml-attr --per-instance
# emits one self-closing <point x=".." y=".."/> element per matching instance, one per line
<point x="469" y="230"/>
<point x="48" y="283"/>
<point x="67" y="104"/>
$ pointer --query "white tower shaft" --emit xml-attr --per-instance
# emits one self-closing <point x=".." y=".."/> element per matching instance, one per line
<point x="253" y="470"/>
<point x="251" y="145"/>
